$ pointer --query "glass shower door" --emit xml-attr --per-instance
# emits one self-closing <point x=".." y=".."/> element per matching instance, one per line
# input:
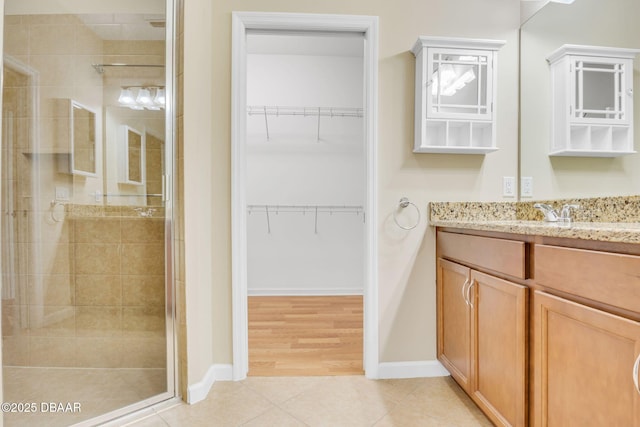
<point x="86" y="322"/>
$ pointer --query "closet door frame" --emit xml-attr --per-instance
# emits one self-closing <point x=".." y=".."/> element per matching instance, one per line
<point x="241" y="23"/>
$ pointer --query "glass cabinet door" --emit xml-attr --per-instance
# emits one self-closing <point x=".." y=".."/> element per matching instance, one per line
<point x="600" y="90"/>
<point x="460" y="84"/>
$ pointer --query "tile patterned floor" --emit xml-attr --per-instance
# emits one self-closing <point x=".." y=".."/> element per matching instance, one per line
<point x="97" y="390"/>
<point x="326" y="401"/>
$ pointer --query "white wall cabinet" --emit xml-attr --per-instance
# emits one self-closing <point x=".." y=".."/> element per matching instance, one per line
<point x="131" y="156"/>
<point x="592" y="101"/>
<point x="455" y="95"/>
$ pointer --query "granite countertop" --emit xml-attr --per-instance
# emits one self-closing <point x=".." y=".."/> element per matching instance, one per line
<point x="612" y="219"/>
<point x="75" y="211"/>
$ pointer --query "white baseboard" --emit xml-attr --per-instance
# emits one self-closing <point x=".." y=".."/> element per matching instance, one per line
<point x="199" y="391"/>
<point x="419" y="369"/>
<point x="271" y="292"/>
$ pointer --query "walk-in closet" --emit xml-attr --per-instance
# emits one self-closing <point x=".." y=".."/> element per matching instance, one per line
<point x="305" y="195"/>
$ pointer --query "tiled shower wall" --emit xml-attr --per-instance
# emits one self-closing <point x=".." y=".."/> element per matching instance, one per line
<point x="90" y="288"/>
<point x="108" y="309"/>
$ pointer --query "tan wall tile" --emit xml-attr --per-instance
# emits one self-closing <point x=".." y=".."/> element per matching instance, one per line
<point x="52" y="352"/>
<point x="143" y="258"/>
<point x="98" y="321"/>
<point x="51" y="39"/>
<point x="99" y="352"/>
<point x="143" y="321"/>
<point x="52" y="258"/>
<point x="52" y="321"/>
<point x="57" y="19"/>
<point x="86" y="41"/>
<point x="143" y="290"/>
<point x="98" y="290"/>
<point x="143" y="230"/>
<point x="16" y="39"/>
<point x="15" y="350"/>
<point x="144" y="353"/>
<point x="97" y="230"/>
<point x="55" y="70"/>
<point x="51" y="289"/>
<point x="11" y="323"/>
<point x="95" y="258"/>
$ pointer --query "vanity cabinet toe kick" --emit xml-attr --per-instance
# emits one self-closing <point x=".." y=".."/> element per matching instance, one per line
<point x="541" y="332"/>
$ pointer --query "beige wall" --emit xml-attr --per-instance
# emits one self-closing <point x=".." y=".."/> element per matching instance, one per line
<point x="407" y="264"/>
<point x="206" y="255"/>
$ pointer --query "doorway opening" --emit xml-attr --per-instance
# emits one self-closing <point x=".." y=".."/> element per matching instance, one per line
<point x="304" y="194"/>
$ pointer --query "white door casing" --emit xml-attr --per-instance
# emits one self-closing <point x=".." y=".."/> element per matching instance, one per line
<point x="247" y="21"/>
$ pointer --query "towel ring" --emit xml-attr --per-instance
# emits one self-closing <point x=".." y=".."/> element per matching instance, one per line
<point x="54" y="204"/>
<point x="404" y="202"/>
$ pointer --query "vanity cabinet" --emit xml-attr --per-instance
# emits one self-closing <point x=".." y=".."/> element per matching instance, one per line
<point x="455" y="91"/>
<point x="585" y="355"/>
<point x="482" y="324"/>
<point x="570" y="307"/>
<point x="584" y="362"/>
<point x="592" y="101"/>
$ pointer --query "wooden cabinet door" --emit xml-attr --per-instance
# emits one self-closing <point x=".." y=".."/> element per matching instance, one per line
<point x="499" y="359"/>
<point x="583" y="360"/>
<point x="454" y="321"/>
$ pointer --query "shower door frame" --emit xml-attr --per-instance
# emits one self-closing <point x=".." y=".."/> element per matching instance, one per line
<point x="358" y="24"/>
<point x="170" y="396"/>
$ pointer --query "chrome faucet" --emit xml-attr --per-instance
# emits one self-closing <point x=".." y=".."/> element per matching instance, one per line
<point x="565" y="213"/>
<point x="550" y="214"/>
<point x="145" y="213"/>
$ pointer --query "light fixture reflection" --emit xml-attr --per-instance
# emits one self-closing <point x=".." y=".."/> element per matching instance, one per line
<point x="142" y="97"/>
<point x="126" y="97"/>
<point x="451" y="80"/>
<point x="160" y="98"/>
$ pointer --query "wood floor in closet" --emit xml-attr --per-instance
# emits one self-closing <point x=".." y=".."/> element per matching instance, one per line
<point x="305" y="336"/>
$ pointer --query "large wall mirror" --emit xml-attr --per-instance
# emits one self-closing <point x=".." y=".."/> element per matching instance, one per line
<point x="611" y="23"/>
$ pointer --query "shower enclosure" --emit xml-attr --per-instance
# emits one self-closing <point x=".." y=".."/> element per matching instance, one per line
<point x="87" y="152"/>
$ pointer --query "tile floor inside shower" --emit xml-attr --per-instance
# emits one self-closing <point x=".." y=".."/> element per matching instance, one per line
<point x="97" y="390"/>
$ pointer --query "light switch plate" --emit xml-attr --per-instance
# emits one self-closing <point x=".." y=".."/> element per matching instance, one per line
<point x="526" y="189"/>
<point x="62" y="193"/>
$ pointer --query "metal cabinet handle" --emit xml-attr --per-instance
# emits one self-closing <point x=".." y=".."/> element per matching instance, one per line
<point x="635" y="373"/>
<point x="464" y="294"/>
<point x="473" y="282"/>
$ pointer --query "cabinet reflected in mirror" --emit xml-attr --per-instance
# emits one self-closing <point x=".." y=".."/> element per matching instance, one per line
<point x="130" y="156"/>
<point x="83" y="140"/>
<point x="134" y="156"/>
<point x="592" y="23"/>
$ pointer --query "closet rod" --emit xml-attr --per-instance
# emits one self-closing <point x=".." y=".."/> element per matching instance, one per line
<point x="313" y="209"/>
<point x="306" y="208"/>
<point x="275" y="110"/>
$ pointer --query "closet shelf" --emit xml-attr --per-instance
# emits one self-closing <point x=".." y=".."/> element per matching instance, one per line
<point x="276" y="110"/>
<point x="312" y="209"/>
<point x="357" y="209"/>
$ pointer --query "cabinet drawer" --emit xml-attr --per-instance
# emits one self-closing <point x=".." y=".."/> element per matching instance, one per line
<point x="605" y="277"/>
<point x="504" y="256"/>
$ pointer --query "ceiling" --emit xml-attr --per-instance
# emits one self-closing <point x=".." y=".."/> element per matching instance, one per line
<point x="126" y="26"/>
